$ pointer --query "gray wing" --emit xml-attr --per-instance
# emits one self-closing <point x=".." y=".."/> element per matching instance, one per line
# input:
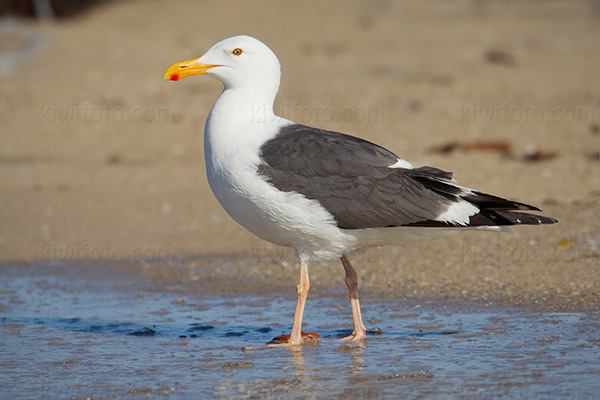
<point x="352" y="179"/>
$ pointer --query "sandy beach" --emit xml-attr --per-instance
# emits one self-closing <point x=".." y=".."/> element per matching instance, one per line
<point x="100" y="159"/>
<point x="122" y="277"/>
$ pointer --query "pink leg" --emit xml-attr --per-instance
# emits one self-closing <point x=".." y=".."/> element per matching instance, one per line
<point x="302" y="290"/>
<point x="297" y="336"/>
<point x="360" y="332"/>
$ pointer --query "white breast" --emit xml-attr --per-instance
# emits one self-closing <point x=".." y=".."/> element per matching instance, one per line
<point x="231" y="149"/>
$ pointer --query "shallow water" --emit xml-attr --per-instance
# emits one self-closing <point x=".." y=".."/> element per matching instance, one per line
<point x="78" y="332"/>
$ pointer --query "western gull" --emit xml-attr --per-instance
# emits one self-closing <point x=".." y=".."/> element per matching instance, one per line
<point x="322" y="193"/>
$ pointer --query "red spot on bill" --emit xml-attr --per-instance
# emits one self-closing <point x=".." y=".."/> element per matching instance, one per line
<point x="174" y="77"/>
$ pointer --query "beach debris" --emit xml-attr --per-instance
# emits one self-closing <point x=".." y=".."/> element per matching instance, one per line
<point x="539" y="155"/>
<point x="497" y="146"/>
<point x="500" y="57"/>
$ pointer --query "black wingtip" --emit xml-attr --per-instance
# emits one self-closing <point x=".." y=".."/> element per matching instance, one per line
<point x="495" y="203"/>
<point x="517" y="218"/>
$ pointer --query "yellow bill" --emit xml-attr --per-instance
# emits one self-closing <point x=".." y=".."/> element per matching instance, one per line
<point x="186" y="68"/>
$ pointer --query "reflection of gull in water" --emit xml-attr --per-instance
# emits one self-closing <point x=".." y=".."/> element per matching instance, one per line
<point x="355" y="351"/>
<point x="299" y="362"/>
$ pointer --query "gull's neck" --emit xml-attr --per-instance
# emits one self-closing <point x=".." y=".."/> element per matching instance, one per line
<point x="239" y="123"/>
<point x="245" y="106"/>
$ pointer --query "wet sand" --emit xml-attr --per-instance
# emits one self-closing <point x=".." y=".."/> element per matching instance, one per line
<point x="108" y="226"/>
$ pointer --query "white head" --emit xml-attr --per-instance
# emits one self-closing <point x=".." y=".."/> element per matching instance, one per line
<point x="240" y="62"/>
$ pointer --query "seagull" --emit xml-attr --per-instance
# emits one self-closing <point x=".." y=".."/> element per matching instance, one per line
<point x="322" y="193"/>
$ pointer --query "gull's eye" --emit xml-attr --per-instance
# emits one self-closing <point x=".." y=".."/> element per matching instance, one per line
<point x="237" y="52"/>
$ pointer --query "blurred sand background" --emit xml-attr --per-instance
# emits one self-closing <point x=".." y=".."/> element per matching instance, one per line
<point x="102" y="159"/>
